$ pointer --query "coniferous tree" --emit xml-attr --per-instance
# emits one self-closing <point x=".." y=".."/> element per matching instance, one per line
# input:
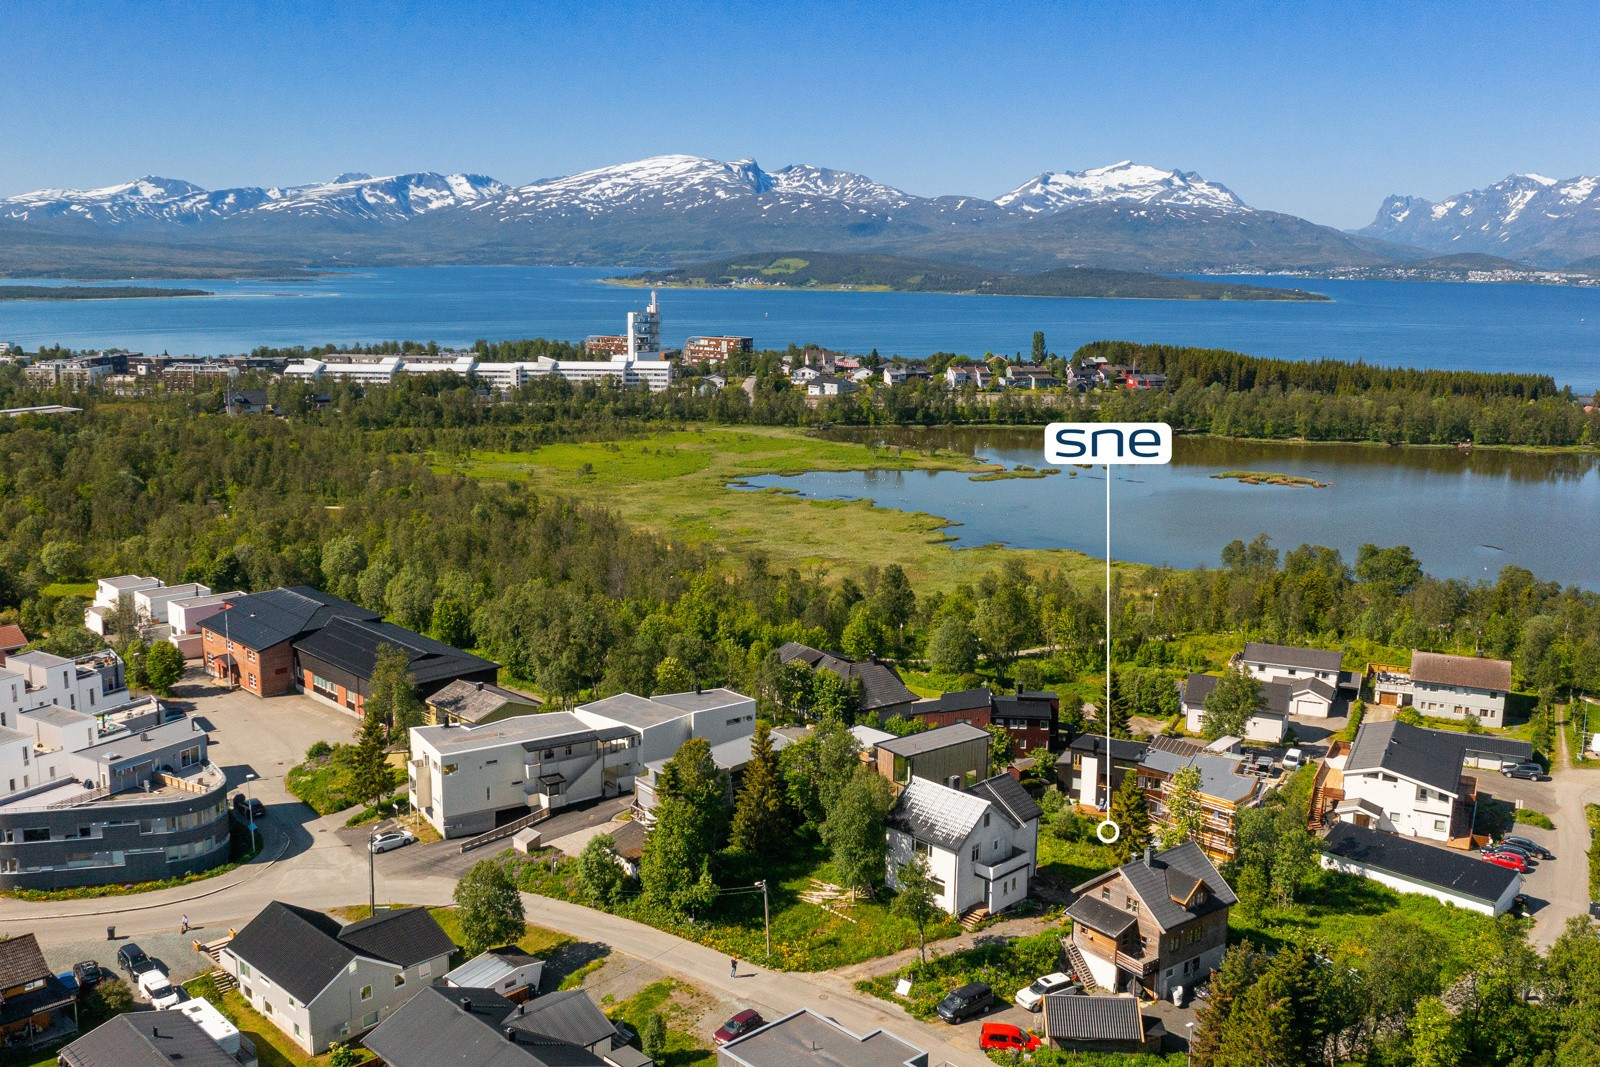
<point x="1132" y="817"/>
<point x="760" y="816"/>
<point x="371" y="776"/>
<point x="392" y="697"/>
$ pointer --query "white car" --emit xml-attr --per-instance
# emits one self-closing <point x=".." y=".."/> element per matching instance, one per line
<point x="158" y="987"/>
<point x="1031" y="998"/>
<point x="391" y="839"/>
<point x="1292" y="759"/>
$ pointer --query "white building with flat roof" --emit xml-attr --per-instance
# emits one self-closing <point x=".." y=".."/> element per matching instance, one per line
<point x="662" y="723"/>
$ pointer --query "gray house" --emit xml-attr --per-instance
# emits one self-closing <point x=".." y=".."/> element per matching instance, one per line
<point x="320" y="982"/>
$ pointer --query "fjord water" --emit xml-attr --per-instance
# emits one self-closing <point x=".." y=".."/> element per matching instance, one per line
<point x="1465" y="514"/>
<point x="1552" y="330"/>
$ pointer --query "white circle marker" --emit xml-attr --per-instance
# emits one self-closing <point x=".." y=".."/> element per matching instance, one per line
<point x="1108" y="838"/>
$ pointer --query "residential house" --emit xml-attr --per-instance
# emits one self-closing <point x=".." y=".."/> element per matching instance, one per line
<point x="247" y="402"/>
<point x="1408" y="866"/>
<point x="804" y="1037"/>
<point x="1136" y="382"/>
<point x="35" y="1007"/>
<point x="456" y="1025"/>
<point x="974" y="707"/>
<point x="1082" y="775"/>
<point x="1099" y="1024"/>
<point x="193" y="1034"/>
<point x="804" y="375"/>
<point x="464" y="703"/>
<point x="1312" y="675"/>
<point x="12" y="640"/>
<point x="956" y="755"/>
<point x="1407" y="780"/>
<point x="335" y="663"/>
<point x="1031" y="718"/>
<point x="95" y="683"/>
<point x="665" y="721"/>
<point x="1448" y="687"/>
<point x="730" y="757"/>
<point x="1226" y="787"/>
<point x="979" y="375"/>
<point x="868" y="738"/>
<point x="250" y="643"/>
<point x="1030" y="376"/>
<point x="466" y="780"/>
<point x="319" y="981"/>
<point x="627" y="841"/>
<point x="882" y="691"/>
<point x="981" y="843"/>
<point x="509" y="971"/>
<point x="1156" y="923"/>
<point x="830" y="385"/>
<point x="1268" y="723"/>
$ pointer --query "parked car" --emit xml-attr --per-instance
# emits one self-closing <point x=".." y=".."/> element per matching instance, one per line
<point x="248" y="810"/>
<point x="129" y="956"/>
<point x="1263" y="766"/>
<point x="973" y="999"/>
<point x="738" y="1026"/>
<point x="88" y="973"/>
<point x="391" y="839"/>
<point x="1527" y="856"/>
<point x="1292" y="759"/>
<point x="1031" y="997"/>
<point x="1007" y="1038"/>
<point x="1533" y="772"/>
<point x="1530" y="845"/>
<point x="159" y="988"/>
<point x="1509" y="860"/>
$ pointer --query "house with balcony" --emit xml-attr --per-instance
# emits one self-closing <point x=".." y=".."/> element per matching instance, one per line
<point x="322" y="981"/>
<point x="35" y="1007"/>
<point x="981" y="843"/>
<point x="1447" y="687"/>
<point x="1226" y="788"/>
<point x="663" y="722"/>
<point x="95" y="683"/>
<point x="1081" y="772"/>
<point x="467" y="780"/>
<point x="1158" y="922"/>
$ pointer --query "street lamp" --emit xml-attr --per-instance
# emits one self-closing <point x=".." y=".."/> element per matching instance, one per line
<point x="250" y="808"/>
<point x="766" y="917"/>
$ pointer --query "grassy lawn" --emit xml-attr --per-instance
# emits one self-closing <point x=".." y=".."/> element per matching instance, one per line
<point x="677" y="483"/>
<point x="1006" y="966"/>
<point x="325" y="783"/>
<point x="535" y="940"/>
<point x="805" y="936"/>
<point x="273" y="1047"/>
<point x="673" y="1001"/>
<point x="1070" y="863"/>
<point x="68" y="589"/>
<point x="1343" y="913"/>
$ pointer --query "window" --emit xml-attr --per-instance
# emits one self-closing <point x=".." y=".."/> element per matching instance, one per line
<point x="244" y="969"/>
<point x="296" y="1029"/>
<point x="974" y="853"/>
<point x="399" y="979"/>
<point x="366" y="992"/>
<point x="370" y="1019"/>
<point x="424" y="970"/>
<point x="1438" y="825"/>
<point x="266" y="1007"/>
<point x="986" y="818"/>
<point x="1105" y="892"/>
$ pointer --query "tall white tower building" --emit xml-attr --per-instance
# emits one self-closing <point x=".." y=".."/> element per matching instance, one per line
<point x="644" y="331"/>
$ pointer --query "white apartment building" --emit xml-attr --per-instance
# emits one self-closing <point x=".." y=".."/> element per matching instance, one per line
<point x="1406" y="780"/>
<point x="664" y="722"/>
<point x="981" y="843"/>
<point x="369" y="370"/>
<point x="94" y="684"/>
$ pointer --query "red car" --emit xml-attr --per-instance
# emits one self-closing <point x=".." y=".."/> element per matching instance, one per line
<point x="1007" y="1038"/>
<point x="1509" y="860"/>
<point x="738" y="1026"/>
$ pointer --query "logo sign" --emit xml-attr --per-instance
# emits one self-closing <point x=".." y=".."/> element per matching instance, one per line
<point x="1125" y="443"/>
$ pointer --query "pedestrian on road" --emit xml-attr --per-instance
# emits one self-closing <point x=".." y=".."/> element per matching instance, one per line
<point x="733" y="967"/>
<point x="185" y="925"/>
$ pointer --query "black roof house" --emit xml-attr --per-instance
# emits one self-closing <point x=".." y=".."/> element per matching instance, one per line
<point x="454" y="1027"/>
<point x="303" y="950"/>
<point x="146" y="1039"/>
<point x="881" y="687"/>
<point x="345" y="651"/>
<point x="1458" y="873"/>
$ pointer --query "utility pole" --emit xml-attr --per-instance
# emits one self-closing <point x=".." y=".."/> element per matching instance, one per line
<point x="766" y="916"/>
<point x="372" y="880"/>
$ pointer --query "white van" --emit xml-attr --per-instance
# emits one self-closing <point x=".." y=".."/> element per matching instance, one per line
<point x="1292" y="760"/>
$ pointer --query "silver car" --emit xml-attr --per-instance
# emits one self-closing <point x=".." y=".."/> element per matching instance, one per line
<point x="391" y="839"/>
<point x="1031" y="998"/>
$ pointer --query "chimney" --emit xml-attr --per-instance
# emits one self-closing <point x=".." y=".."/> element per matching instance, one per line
<point x="511" y="1034"/>
<point x="155" y="1031"/>
<point x="466" y="1004"/>
<point x="480" y="687"/>
<point x="1019" y="689"/>
<point x="1149" y="855"/>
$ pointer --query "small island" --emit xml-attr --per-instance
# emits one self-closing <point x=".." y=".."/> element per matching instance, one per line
<point x="1273" y="478"/>
<point x="92" y="292"/>
<point x="844" y="272"/>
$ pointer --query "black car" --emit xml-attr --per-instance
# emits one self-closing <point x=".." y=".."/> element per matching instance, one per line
<point x="88" y="973"/>
<point x="963" y="1003"/>
<point x="248" y="810"/>
<point x="1529" y="845"/>
<point x="1531" y="771"/>
<point x="1515" y="850"/>
<point x="130" y="956"/>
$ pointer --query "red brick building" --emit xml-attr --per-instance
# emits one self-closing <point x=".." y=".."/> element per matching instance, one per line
<point x="715" y="349"/>
<point x="250" y="643"/>
<point x="1032" y="719"/>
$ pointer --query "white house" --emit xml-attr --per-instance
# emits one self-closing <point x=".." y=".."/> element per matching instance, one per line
<point x="829" y="385"/>
<point x="665" y="721"/>
<point x="510" y="972"/>
<point x="1311" y="674"/>
<point x="1268" y="724"/>
<point x="94" y="683"/>
<point x="1409" y="866"/>
<point x="981" y="843"/>
<point x="1460" y="687"/>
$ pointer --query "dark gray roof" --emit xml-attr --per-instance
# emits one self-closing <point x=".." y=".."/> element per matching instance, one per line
<point x="1095" y="745"/>
<point x="1457" y="872"/>
<point x="146" y="1039"/>
<point x="1075" y="1017"/>
<point x="274" y="616"/>
<point x="1169" y="873"/>
<point x="1096" y="914"/>
<point x="1312" y="659"/>
<point x="566" y="1015"/>
<point x="1007" y="794"/>
<point x="628" y="839"/>
<point x="964" y="700"/>
<point x="881" y="687"/>
<point x="956" y="733"/>
<point x="352" y="646"/>
<point x="302" y="950"/>
<point x="1025" y="705"/>
<point x="806" y="1039"/>
<point x="434" y="1029"/>
<point x="476" y="701"/>
<point x="1478" y="745"/>
<point x="1275" y="696"/>
<point x="1431" y="757"/>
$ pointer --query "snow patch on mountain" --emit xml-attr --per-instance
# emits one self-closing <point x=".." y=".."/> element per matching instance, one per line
<point x="1546" y="219"/>
<point x="1125" y="182"/>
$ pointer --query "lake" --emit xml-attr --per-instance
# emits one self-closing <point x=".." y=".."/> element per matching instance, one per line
<point x="1547" y="329"/>
<point x="1465" y="514"/>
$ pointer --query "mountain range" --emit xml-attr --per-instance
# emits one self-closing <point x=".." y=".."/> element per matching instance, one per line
<point x="1525" y="217"/>
<point x="669" y="210"/>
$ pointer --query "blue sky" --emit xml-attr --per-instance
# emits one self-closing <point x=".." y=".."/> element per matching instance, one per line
<point x="1316" y="109"/>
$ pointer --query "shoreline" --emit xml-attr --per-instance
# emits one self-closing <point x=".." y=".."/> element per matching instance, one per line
<point x="625" y="283"/>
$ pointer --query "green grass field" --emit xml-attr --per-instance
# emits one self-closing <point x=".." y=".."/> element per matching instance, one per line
<point x="671" y="999"/>
<point x="678" y="484"/>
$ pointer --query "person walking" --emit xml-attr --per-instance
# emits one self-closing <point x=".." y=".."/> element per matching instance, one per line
<point x="185" y="925"/>
<point x="733" y="967"/>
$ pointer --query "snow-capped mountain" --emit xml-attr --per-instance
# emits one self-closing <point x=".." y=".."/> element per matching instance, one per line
<point x="1121" y="183"/>
<point x="1525" y="216"/>
<point x="166" y="200"/>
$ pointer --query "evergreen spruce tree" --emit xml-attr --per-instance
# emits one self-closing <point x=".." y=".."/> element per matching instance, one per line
<point x="1128" y="811"/>
<point x="371" y="775"/>
<point x="392" y="696"/>
<point x="760" y="816"/>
